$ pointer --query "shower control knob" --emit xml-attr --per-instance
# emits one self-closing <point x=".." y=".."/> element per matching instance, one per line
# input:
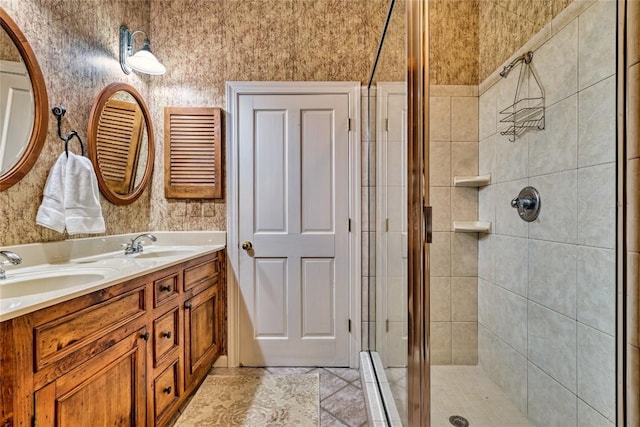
<point x="247" y="246"/>
<point x="528" y="204"/>
<point x="523" y="203"/>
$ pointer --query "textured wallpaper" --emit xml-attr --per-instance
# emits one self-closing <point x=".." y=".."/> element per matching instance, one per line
<point x="453" y="42"/>
<point x="203" y="43"/>
<point x="506" y="25"/>
<point x="206" y="43"/>
<point x="76" y="44"/>
<point x="394" y="50"/>
<point x="8" y="51"/>
<point x="469" y="39"/>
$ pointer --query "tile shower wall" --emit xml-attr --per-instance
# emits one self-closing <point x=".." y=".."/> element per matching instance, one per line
<point x="454" y="256"/>
<point x="76" y="45"/>
<point x="546" y="289"/>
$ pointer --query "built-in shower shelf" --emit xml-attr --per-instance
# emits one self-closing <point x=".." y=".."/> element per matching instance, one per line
<point x="472" y="227"/>
<point x="472" y="181"/>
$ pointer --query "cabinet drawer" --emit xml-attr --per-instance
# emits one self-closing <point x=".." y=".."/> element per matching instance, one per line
<point x="55" y="340"/>
<point x="165" y="390"/>
<point x="201" y="272"/>
<point x="165" y="289"/>
<point x="165" y="335"/>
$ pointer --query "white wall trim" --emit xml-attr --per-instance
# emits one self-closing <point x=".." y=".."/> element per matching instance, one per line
<point x="233" y="91"/>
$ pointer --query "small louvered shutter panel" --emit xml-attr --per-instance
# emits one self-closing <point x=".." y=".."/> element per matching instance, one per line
<point x="118" y="144"/>
<point x="192" y="153"/>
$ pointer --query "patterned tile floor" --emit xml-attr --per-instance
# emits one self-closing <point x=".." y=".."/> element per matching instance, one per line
<point x="341" y="397"/>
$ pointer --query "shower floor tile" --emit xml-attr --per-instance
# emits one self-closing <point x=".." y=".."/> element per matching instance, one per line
<point x="467" y="391"/>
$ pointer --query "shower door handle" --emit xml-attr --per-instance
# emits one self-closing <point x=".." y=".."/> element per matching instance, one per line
<point x="428" y="218"/>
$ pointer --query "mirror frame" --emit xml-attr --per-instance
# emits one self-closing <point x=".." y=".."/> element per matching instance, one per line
<point x="94" y="118"/>
<point x="41" y="107"/>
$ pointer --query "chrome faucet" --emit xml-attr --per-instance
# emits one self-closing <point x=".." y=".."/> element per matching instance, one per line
<point x="12" y="258"/>
<point x="135" y="246"/>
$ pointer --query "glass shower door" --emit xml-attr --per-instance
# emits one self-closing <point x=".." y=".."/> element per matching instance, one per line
<point x="397" y="285"/>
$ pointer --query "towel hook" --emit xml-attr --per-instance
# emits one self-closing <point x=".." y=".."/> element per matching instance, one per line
<point x="59" y="112"/>
<point x="71" y="135"/>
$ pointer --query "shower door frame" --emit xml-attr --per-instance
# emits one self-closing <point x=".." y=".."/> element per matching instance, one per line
<point x="418" y="221"/>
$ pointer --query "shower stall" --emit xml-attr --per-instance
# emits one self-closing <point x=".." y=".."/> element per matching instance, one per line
<point x="494" y="242"/>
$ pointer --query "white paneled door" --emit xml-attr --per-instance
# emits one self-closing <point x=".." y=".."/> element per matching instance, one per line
<point x="293" y="229"/>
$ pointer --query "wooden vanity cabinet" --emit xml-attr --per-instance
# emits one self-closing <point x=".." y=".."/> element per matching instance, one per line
<point x="106" y="390"/>
<point x="126" y="355"/>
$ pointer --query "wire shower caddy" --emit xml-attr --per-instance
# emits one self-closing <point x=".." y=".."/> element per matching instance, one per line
<point x="524" y="113"/>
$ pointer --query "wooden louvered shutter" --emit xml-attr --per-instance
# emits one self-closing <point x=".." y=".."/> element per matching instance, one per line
<point x="192" y="153"/>
<point x="118" y="144"/>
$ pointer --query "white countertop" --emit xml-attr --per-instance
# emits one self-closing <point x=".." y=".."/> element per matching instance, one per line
<point x="54" y="272"/>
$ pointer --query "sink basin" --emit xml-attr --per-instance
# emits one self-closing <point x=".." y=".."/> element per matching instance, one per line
<point x="164" y="253"/>
<point x="26" y="284"/>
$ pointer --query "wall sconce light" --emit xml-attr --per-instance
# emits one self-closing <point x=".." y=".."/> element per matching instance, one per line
<point x="143" y="60"/>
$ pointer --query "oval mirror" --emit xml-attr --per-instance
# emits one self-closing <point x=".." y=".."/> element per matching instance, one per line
<point x="24" y="107"/>
<point x="121" y="143"/>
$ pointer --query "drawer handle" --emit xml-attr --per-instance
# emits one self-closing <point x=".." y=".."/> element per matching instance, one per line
<point x="187" y="305"/>
<point x="167" y="390"/>
<point x="165" y="288"/>
<point x="166" y="334"/>
<point x="145" y="336"/>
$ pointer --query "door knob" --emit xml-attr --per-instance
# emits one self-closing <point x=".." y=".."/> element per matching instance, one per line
<point x="247" y="246"/>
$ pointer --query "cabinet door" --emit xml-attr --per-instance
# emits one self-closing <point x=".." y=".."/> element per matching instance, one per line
<point x="202" y="333"/>
<point x="107" y="390"/>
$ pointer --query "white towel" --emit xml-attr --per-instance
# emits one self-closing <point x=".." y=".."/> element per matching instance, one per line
<point x="51" y="211"/>
<point x="82" y="210"/>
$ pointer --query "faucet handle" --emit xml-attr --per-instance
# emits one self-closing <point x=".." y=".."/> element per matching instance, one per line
<point x="12" y="258"/>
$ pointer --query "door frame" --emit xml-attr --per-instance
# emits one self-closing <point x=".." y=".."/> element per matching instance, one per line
<point x="383" y="90"/>
<point x="233" y="91"/>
